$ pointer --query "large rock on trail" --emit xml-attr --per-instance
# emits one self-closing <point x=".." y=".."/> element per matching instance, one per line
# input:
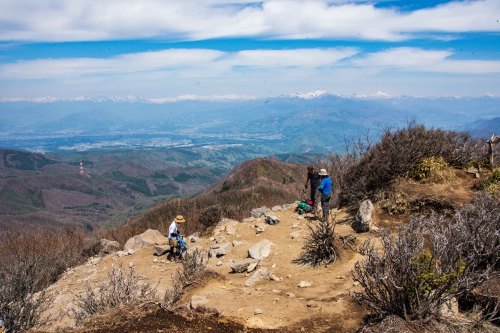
<point x="271" y="219"/>
<point x="161" y="250"/>
<point x="241" y="266"/>
<point x="261" y="250"/>
<point x="363" y="220"/>
<point x="262" y="274"/>
<point x="219" y="250"/>
<point x="149" y="237"/>
<point x="258" y="212"/>
<point x="225" y="225"/>
<point x="108" y="246"/>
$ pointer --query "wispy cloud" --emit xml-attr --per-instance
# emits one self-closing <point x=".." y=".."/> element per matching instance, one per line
<point x="91" y="20"/>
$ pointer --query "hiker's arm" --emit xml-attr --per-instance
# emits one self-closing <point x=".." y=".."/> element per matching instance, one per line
<point x="322" y="185"/>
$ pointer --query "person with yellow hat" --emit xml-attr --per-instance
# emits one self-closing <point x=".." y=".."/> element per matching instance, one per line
<point x="173" y="233"/>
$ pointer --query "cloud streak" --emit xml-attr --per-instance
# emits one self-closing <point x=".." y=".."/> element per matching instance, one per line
<point x="93" y="20"/>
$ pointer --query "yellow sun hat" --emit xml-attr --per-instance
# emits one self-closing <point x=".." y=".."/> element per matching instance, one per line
<point x="180" y="219"/>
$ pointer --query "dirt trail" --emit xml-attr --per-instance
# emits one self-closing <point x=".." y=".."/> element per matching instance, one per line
<point x="282" y="303"/>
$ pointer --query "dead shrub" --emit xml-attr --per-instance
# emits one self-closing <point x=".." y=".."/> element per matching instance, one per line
<point x="398" y="153"/>
<point x="121" y="288"/>
<point x="431" y="260"/>
<point x="210" y="215"/>
<point x="193" y="269"/>
<point x="319" y="245"/>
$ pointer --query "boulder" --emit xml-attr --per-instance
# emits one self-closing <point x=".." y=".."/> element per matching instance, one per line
<point x="108" y="246"/>
<point x="252" y="267"/>
<point x="149" y="237"/>
<point x="271" y="219"/>
<point x="277" y="209"/>
<point x="224" y="225"/>
<point x="241" y="266"/>
<point x="198" y="302"/>
<point x="161" y="249"/>
<point x="258" y="212"/>
<point x="261" y="274"/>
<point x="363" y="220"/>
<point x="261" y="250"/>
<point x="219" y="250"/>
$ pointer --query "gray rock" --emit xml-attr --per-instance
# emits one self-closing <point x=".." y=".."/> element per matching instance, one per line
<point x="242" y="265"/>
<point x="261" y="274"/>
<point x="236" y="243"/>
<point x="160" y="250"/>
<point x="122" y="254"/>
<point x="259" y="229"/>
<point x="312" y="304"/>
<point x="261" y="250"/>
<point x="295" y="234"/>
<point x="149" y="237"/>
<point x="295" y="225"/>
<point x="249" y="220"/>
<point x="219" y="250"/>
<point x="194" y="238"/>
<point x="258" y="212"/>
<point x="220" y="239"/>
<point x="258" y="311"/>
<point x="363" y="220"/>
<point x="305" y="284"/>
<point x="252" y="267"/>
<point x="198" y="302"/>
<point x="224" y="225"/>
<point x="272" y="219"/>
<point x="94" y="261"/>
<point x="108" y="246"/>
<point x="277" y="209"/>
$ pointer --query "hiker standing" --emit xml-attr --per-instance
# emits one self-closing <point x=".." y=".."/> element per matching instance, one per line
<point x="326" y="193"/>
<point x="313" y="178"/>
<point x="173" y="233"/>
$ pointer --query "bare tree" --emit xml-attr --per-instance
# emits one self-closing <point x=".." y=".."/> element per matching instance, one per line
<point x="319" y="245"/>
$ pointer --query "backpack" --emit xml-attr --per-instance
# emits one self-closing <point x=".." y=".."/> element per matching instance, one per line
<point x="303" y="207"/>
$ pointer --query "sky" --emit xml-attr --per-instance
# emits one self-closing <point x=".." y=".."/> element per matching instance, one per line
<point x="166" y="48"/>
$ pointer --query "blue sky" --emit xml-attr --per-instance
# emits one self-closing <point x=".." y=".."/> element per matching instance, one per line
<point x="162" y="49"/>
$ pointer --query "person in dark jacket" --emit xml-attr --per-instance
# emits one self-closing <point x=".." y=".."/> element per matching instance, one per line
<point x="314" y="180"/>
<point x="325" y="189"/>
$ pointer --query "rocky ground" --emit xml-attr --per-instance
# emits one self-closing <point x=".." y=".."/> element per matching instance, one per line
<point x="276" y="294"/>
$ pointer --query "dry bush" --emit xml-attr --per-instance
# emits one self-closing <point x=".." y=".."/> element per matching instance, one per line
<point x="210" y="215"/>
<point x="31" y="260"/>
<point x="398" y="153"/>
<point x="193" y="269"/>
<point x="319" y="245"/>
<point x="433" y="170"/>
<point x="121" y="288"/>
<point x="491" y="184"/>
<point x="430" y="261"/>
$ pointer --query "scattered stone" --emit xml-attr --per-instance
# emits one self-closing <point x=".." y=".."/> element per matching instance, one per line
<point x="295" y="234"/>
<point x="220" y="239"/>
<point x="108" y="246"/>
<point x="224" y="225"/>
<point x="274" y="265"/>
<point x="300" y="217"/>
<point x="289" y="276"/>
<point x="252" y="267"/>
<point x="241" y="266"/>
<point x="235" y="243"/>
<point x="295" y="225"/>
<point x="130" y="252"/>
<point x="260" y="275"/>
<point x="219" y="263"/>
<point x="230" y="230"/>
<point x="198" y="302"/>
<point x="374" y="229"/>
<point x="305" y="284"/>
<point x="259" y="229"/>
<point x="160" y="250"/>
<point x="276" y="291"/>
<point x="291" y="295"/>
<point x="94" y="261"/>
<point x="312" y="304"/>
<point x="363" y="219"/>
<point x="249" y="220"/>
<point x="219" y="250"/>
<point x="122" y="254"/>
<point x="277" y="209"/>
<point x="275" y="278"/>
<point x="155" y="260"/>
<point x="355" y="283"/>
<point x="194" y="238"/>
<point x="261" y="250"/>
<point x="272" y="219"/>
<point x="258" y="212"/>
<point x="258" y="311"/>
<point x="131" y="264"/>
<point x="147" y="238"/>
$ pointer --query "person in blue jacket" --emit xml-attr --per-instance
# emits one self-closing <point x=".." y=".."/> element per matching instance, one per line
<point x="325" y="188"/>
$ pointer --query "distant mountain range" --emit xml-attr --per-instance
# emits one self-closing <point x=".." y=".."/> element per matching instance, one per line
<point x="303" y="122"/>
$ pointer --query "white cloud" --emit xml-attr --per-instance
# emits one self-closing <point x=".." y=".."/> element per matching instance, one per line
<point x="82" y="20"/>
<point x="415" y="59"/>
<point x="173" y="62"/>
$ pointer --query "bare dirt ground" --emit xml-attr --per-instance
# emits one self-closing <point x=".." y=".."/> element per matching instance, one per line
<point x="269" y="305"/>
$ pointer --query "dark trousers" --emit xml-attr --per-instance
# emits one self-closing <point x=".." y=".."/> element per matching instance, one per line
<point x="325" y="206"/>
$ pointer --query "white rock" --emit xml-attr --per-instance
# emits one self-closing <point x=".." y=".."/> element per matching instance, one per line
<point x="272" y="219"/>
<point x="295" y="234"/>
<point x="258" y="311"/>
<point x="219" y="250"/>
<point x="236" y="243"/>
<point x="260" y="275"/>
<point x="305" y="284"/>
<point x="149" y="237"/>
<point x="252" y="267"/>
<point x="291" y="295"/>
<point x="312" y="304"/>
<point x="261" y="250"/>
<point x="223" y="225"/>
<point x="363" y="220"/>
<point x="219" y="263"/>
<point x="197" y="302"/>
<point x="258" y="212"/>
<point x="240" y="266"/>
<point x="95" y="261"/>
<point x="295" y="225"/>
<point x="122" y="254"/>
<point x="277" y="209"/>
